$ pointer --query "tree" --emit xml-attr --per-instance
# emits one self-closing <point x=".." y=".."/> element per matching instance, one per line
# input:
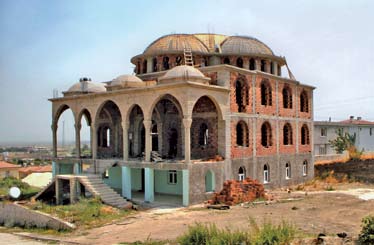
<point x="346" y="142"/>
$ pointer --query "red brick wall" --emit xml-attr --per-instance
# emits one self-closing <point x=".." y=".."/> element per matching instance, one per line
<point x="287" y="148"/>
<point x="212" y="76"/>
<point x="305" y="148"/>
<point x="285" y="112"/>
<point x="234" y="76"/>
<point x="309" y="93"/>
<point x="241" y="151"/>
<point x="261" y="109"/>
<point x="260" y="149"/>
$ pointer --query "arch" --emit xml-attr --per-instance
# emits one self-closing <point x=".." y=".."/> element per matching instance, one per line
<point x="266" y="135"/>
<point x="103" y="105"/>
<point x="287" y="134"/>
<point x="287" y="97"/>
<point x="242" y="137"/>
<point x="136" y="131"/>
<point x="239" y="62"/>
<point x="61" y="109"/>
<point x="62" y="132"/>
<point x="305" y="135"/>
<point x="241" y="94"/>
<point x="252" y="64"/>
<point x="212" y="100"/>
<point x="165" y="63"/>
<point x="304" y="101"/>
<point x="85" y="149"/>
<point x="86" y="114"/>
<point x="266" y="173"/>
<point x="226" y="61"/>
<point x="169" y="97"/>
<point x="210" y="181"/>
<point x="288" y="170"/>
<point x="241" y="173"/>
<point x="305" y="168"/>
<point x="266" y="93"/>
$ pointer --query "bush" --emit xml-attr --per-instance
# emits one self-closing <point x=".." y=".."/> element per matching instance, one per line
<point x="367" y="233"/>
<point x="26" y="190"/>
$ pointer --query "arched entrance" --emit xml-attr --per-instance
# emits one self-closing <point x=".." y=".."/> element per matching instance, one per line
<point x="136" y="132"/>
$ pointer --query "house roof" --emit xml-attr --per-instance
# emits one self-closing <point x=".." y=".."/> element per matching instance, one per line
<point x="36" y="169"/>
<point x="357" y="122"/>
<point x="8" y="165"/>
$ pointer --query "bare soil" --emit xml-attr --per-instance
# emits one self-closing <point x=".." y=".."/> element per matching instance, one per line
<point x="314" y="212"/>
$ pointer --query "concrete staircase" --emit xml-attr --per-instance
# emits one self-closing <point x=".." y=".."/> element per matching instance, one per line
<point x="95" y="185"/>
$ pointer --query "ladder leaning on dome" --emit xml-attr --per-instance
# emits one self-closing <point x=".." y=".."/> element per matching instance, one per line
<point x="188" y="61"/>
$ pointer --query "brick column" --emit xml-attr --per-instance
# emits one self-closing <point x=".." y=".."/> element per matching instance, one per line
<point x="148" y="139"/>
<point x="125" y="144"/>
<point x="187" y="138"/>
<point x="78" y="127"/>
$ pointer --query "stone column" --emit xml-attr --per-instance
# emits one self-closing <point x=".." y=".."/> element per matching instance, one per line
<point x="186" y="187"/>
<point x="126" y="182"/>
<point x="267" y="66"/>
<point x="73" y="190"/>
<point x="54" y="137"/>
<point x="148" y="139"/>
<point x="149" y="192"/>
<point x="149" y="64"/>
<point x="58" y="191"/>
<point x="275" y="68"/>
<point x="93" y="142"/>
<point x="125" y="144"/>
<point x="78" y="127"/>
<point x="187" y="138"/>
<point x="258" y="64"/>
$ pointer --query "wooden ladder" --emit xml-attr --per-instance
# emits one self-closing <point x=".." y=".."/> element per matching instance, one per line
<point x="188" y="61"/>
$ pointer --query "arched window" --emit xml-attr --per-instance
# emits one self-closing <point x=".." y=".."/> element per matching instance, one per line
<point x="304" y="135"/>
<point x="287" y="97"/>
<point x="252" y="64"/>
<point x="304" y="103"/>
<point x="305" y="168"/>
<point x="241" y="93"/>
<point x="241" y="174"/>
<point x="226" y="61"/>
<point x="288" y="171"/>
<point x="263" y="64"/>
<point x="203" y="134"/>
<point x="154" y="64"/>
<point x="178" y="60"/>
<point x="242" y="138"/>
<point x="165" y="63"/>
<point x="209" y="181"/>
<point x="144" y="66"/>
<point x="239" y="62"/>
<point x="266" y="138"/>
<point x="266" y="174"/>
<point x="266" y="95"/>
<point x="287" y="134"/>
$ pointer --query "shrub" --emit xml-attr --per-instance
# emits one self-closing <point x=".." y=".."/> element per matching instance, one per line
<point x="367" y="233"/>
<point x="269" y="234"/>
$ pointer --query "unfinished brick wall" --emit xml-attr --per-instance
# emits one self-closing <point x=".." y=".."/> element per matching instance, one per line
<point x="238" y="151"/>
<point x="265" y="109"/>
<point x="204" y="112"/>
<point x="260" y="149"/>
<point x="246" y="94"/>
<point x="212" y="76"/>
<point x="306" y="147"/>
<point x="291" y="148"/>
<point x="287" y="112"/>
<point x="308" y="114"/>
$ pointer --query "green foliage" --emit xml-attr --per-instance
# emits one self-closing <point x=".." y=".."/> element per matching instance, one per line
<point x="267" y="234"/>
<point x="26" y="190"/>
<point x="367" y="233"/>
<point x="343" y="141"/>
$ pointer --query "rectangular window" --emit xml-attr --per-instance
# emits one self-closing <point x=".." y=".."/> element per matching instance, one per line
<point x="322" y="150"/>
<point x="323" y="131"/>
<point x="172" y="177"/>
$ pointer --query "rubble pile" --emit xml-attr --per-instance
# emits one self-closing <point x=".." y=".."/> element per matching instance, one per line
<point x="235" y="191"/>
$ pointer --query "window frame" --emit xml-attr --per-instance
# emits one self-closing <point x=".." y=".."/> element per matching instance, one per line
<point x="172" y="177"/>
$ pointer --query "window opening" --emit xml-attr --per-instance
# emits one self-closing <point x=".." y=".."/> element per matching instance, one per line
<point x="172" y="177"/>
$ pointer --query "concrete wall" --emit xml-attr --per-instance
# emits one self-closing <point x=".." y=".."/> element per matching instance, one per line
<point x="16" y="215"/>
<point x="9" y="173"/>
<point x="136" y="179"/>
<point x="114" y="179"/>
<point x="162" y="185"/>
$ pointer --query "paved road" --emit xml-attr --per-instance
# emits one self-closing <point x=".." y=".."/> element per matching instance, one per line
<point x="7" y="239"/>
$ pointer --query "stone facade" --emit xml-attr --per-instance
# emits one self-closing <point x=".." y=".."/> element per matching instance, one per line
<point x="233" y="117"/>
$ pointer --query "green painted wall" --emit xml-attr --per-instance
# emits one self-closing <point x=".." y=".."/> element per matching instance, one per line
<point x="136" y="179"/>
<point x="162" y="185"/>
<point x="64" y="168"/>
<point x="210" y="184"/>
<point x="115" y="178"/>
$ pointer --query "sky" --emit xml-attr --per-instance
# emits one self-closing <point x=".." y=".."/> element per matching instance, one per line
<point x="47" y="45"/>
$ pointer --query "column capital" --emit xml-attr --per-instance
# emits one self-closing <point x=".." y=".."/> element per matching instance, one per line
<point x="78" y="126"/>
<point x="187" y="122"/>
<point x="147" y="123"/>
<point x="125" y="124"/>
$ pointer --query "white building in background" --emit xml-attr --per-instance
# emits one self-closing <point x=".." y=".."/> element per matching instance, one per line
<point x="324" y="131"/>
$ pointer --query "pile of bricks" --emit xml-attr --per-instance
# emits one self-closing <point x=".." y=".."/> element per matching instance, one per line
<point x="235" y="191"/>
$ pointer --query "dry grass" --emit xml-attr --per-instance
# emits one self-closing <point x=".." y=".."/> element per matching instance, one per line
<point x="328" y="181"/>
<point x="344" y="159"/>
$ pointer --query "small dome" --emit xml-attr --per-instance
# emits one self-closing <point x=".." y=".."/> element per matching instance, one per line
<point x="125" y="81"/>
<point x="86" y="86"/>
<point x="241" y="45"/>
<point x="184" y="73"/>
<point x="175" y="43"/>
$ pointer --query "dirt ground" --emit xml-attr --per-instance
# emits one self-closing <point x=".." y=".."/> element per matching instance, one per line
<point x="328" y="212"/>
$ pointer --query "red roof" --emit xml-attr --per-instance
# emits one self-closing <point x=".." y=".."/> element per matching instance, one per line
<point x="36" y="169"/>
<point x="8" y="165"/>
<point x="357" y="122"/>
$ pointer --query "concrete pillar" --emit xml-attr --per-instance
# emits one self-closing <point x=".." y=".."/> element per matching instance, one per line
<point x="267" y="66"/>
<point x="78" y="127"/>
<point x="186" y="187"/>
<point x="125" y="129"/>
<point x="258" y="64"/>
<point x="275" y="68"/>
<point x="126" y="182"/>
<point x="58" y="191"/>
<point x="54" y="169"/>
<point x="73" y="190"/>
<point x="54" y="137"/>
<point x="148" y="139"/>
<point x="149" y="64"/>
<point x="94" y="141"/>
<point x="77" y="169"/>
<point x="149" y="192"/>
<point x="187" y="138"/>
